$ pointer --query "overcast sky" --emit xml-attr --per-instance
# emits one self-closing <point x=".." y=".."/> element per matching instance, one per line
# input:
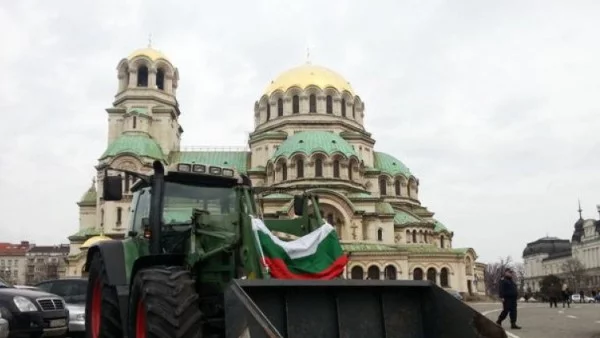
<point x="493" y="105"/>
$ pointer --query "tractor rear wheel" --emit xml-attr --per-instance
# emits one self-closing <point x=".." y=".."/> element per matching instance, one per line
<point x="102" y="315"/>
<point x="164" y="304"/>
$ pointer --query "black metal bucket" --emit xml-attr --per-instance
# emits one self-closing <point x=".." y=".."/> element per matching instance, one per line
<point x="350" y="308"/>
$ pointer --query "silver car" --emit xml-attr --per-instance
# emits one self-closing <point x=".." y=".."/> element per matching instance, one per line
<point x="3" y="327"/>
<point x="73" y="291"/>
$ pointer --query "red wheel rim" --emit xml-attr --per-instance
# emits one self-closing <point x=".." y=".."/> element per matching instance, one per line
<point x="140" y="320"/>
<point x="96" y="309"/>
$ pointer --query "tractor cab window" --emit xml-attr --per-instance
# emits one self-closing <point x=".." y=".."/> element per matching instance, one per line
<point x="141" y="209"/>
<point x="181" y="199"/>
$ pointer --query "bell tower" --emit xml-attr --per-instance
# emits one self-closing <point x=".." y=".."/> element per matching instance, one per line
<point x="146" y="101"/>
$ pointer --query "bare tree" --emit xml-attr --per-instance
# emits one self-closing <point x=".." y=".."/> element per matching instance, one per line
<point x="493" y="273"/>
<point x="575" y="272"/>
<point x="520" y="276"/>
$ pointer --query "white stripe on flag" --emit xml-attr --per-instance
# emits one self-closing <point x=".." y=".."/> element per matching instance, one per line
<point x="302" y="247"/>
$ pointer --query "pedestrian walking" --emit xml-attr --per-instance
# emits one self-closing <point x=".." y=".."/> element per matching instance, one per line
<point x="508" y="294"/>
<point x="566" y="296"/>
<point x="553" y="293"/>
<point x="581" y="295"/>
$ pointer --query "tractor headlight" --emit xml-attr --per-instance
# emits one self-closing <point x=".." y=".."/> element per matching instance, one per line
<point x="228" y="172"/>
<point x="199" y="168"/>
<point x="215" y="171"/>
<point x="183" y="167"/>
<point x="24" y="304"/>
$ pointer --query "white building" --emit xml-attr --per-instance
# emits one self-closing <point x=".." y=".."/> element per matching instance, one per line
<point x="548" y="254"/>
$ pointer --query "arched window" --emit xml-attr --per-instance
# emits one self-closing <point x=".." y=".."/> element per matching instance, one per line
<point x="442" y="239"/>
<point x="344" y="107"/>
<point x="380" y="234"/>
<point x="382" y="186"/>
<point x="336" y="168"/>
<point x="299" y="168"/>
<point x="329" y="104"/>
<point x="330" y="219"/>
<point x="283" y="171"/>
<point x="280" y="107"/>
<point x="444" y="277"/>
<point x="142" y="76"/>
<point x="397" y="188"/>
<point x="353" y="111"/>
<point x="134" y="122"/>
<point x="350" y="171"/>
<point x="312" y="102"/>
<point x="101" y="217"/>
<point x="160" y="79"/>
<point x="268" y="110"/>
<point x="127" y="183"/>
<point x="407" y="236"/>
<point x="119" y="215"/>
<point x="318" y="167"/>
<point x="390" y="272"/>
<point x="357" y="272"/>
<point x="425" y="237"/>
<point x="418" y="274"/>
<point x="373" y="272"/>
<point x="431" y="275"/>
<point x="414" y="236"/>
<point x="295" y="104"/>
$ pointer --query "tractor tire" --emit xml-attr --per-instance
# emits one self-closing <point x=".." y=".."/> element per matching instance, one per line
<point x="164" y="304"/>
<point x="102" y="315"/>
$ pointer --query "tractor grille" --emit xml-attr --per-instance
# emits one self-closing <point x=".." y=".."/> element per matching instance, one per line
<point x="51" y="304"/>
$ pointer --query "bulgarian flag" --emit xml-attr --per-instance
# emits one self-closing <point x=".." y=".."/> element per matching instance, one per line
<point x="317" y="255"/>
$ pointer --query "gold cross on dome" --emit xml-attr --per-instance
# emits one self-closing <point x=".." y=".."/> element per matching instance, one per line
<point x="150" y="40"/>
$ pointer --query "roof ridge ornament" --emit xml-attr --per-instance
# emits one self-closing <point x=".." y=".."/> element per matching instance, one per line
<point x="150" y="40"/>
<point x="579" y="210"/>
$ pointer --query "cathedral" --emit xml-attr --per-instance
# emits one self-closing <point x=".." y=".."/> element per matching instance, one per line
<point x="308" y="135"/>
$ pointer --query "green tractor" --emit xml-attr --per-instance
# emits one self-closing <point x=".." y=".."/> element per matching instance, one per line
<point x="193" y="266"/>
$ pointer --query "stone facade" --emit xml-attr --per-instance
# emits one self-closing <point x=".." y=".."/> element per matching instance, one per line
<point x="309" y="136"/>
<point x="547" y="255"/>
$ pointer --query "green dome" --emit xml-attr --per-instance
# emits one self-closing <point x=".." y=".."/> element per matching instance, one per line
<point x="89" y="198"/>
<point x="310" y="142"/>
<point x="140" y="144"/>
<point x="389" y="164"/>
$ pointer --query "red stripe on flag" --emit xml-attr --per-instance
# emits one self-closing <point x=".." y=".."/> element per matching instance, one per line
<point x="279" y="269"/>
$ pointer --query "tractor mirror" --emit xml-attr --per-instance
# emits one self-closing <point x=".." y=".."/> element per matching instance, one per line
<point x="298" y="205"/>
<point x="112" y="188"/>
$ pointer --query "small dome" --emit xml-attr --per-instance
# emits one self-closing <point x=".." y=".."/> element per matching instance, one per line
<point x="137" y="143"/>
<point x="150" y="53"/>
<point x="547" y="245"/>
<point x="90" y="196"/>
<point x="312" y="141"/>
<point x="93" y="240"/>
<point x="307" y="75"/>
<point x="389" y="164"/>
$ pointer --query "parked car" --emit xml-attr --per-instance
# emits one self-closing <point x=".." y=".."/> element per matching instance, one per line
<point x="455" y="293"/>
<point x="3" y="327"/>
<point x="73" y="291"/>
<point x="577" y="299"/>
<point x="32" y="313"/>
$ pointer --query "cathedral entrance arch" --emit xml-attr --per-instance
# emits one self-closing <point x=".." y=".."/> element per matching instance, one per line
<point x="336" y="209"/>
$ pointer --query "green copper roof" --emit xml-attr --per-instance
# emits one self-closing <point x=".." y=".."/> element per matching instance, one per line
<point x="84" y="233"/>
<point x="89" y="198"/>
<point x="310" y="142"/>
<point x="439" y="226"/>
<point x="389" y="164"/>
<point x="136" y="143"/>
<point x="402" y="217"/>
<point x="278" y="196"/>
<point x="408" y="248"/>
<point x="228" y="159"/>
<point x="384" y="208"/>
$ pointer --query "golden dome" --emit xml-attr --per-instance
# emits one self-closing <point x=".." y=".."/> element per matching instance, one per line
<point x="93" y="240"/>
<point x="151" y="53"/>
<point x="306" y="75"/>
